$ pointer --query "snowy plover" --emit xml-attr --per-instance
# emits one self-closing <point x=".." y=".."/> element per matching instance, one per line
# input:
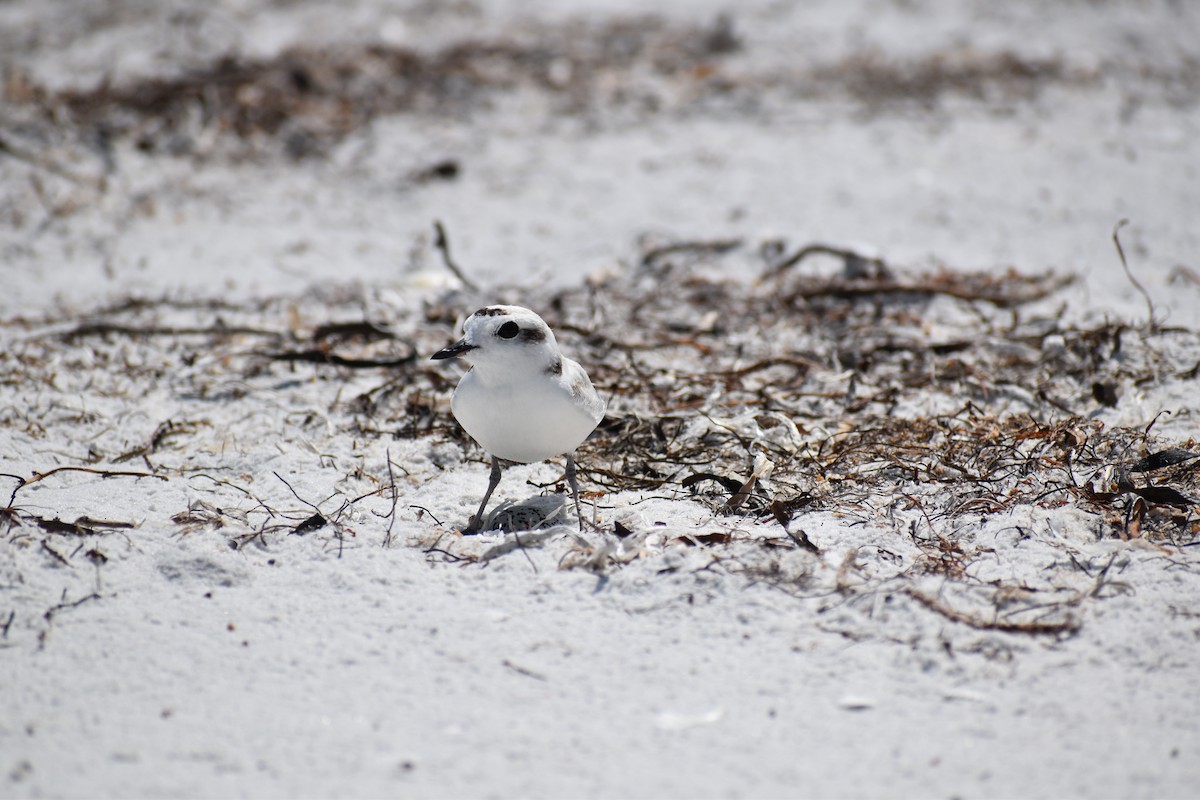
<point x="522" y="399"/>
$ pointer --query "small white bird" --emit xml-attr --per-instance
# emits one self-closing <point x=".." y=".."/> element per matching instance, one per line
<point x="522" y="400"/>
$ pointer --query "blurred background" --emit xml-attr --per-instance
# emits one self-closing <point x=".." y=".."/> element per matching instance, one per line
<point x="260" y="147"/>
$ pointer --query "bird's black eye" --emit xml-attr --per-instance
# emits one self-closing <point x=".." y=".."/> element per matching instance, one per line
<point x="508" y="330"/>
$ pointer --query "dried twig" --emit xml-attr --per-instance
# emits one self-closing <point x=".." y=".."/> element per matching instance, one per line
<point x="442" y="243"/>
<point x="651" y="257"/>
<point x="854" y="262"/>
<point x="88" y="329"/>
<point x="1065" y="627"/>
<point x="326" y="357"/>
<point x="104" y="473"/>
<point x="387" y="538"/>
<point x="1116" y="237"/>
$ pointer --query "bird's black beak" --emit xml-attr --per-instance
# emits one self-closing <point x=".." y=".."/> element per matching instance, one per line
<point x="453" y="351"/>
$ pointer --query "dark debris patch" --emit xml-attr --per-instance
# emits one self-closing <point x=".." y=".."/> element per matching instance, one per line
<point x="840" y="380"/>
<point x="999" y="77"/>
<point x="304" y="100"/>
<point x="831" y="381"/>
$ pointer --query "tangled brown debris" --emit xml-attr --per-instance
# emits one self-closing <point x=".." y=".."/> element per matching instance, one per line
<point x="826" y="382"/>
<point x="853" y="388"/>
<point x="305" y="99"/>
<point x="855" y="385"/>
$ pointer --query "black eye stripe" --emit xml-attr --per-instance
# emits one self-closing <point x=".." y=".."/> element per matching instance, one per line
<point x="533" y="335"/>
<point x="508" y="330"/>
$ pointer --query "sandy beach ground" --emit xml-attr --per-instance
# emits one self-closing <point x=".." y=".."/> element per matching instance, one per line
<point x="895" y="306"/>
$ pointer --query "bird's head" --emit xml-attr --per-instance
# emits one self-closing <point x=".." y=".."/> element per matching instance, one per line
<point x="504" y="338"/>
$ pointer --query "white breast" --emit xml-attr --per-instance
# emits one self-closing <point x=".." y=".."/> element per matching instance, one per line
<point x="529" y="420"/>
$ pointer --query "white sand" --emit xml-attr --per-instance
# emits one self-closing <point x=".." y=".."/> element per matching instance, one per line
<point x="159" y="661"/>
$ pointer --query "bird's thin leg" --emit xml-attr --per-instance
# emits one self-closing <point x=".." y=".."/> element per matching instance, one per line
<point x="494" y="479"/>
<point x="574" y="484"/>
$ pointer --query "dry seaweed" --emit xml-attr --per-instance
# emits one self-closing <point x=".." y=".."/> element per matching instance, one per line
<point x="804" y="390"/>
